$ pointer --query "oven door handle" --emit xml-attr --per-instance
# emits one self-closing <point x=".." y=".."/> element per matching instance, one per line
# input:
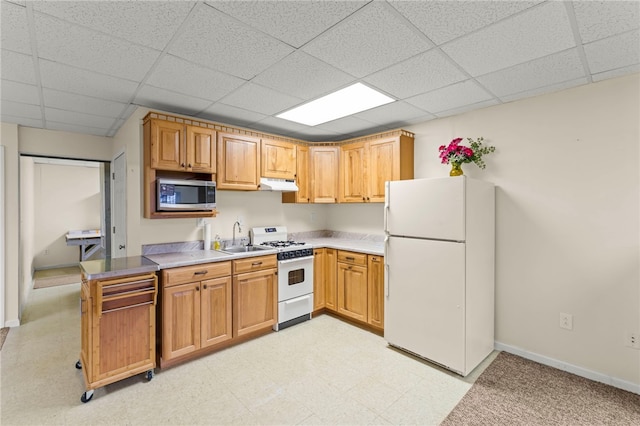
<point x="299" y="259"/>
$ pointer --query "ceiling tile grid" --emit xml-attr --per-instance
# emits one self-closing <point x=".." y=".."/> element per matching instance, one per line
<point x="84" y="66"/>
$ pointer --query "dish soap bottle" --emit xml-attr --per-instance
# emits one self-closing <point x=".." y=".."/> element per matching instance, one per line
<point x="216" y="243"/>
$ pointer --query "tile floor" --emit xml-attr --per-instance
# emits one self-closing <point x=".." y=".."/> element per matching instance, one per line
<point x="322" y="372"/>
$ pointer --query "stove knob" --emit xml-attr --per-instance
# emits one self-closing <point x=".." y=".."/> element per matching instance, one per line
<point x="298" y="254"/>
<point x="285" y="254"/>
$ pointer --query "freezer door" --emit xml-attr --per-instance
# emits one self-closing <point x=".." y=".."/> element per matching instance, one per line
<point x="424" y="299"/>
<point x="426" y="208"/>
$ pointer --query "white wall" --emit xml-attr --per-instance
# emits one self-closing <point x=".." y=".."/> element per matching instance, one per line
<point x="27" y="224"/>
<point x="67" y="197"/>
<point x="567" y="205"/>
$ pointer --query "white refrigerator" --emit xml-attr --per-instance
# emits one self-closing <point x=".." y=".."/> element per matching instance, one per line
<point x="439" y="269"/>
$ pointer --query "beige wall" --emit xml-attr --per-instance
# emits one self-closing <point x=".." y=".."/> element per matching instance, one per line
<point x="567" y="205"/>
<point x="27" y="226"/>
<point x="67" y="197"/>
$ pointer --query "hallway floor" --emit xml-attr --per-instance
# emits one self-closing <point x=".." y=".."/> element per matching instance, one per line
<point x="322" y="371"/>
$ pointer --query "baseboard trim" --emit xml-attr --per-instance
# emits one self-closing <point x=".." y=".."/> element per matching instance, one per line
<point x="570" y="368"/>
<point x="12" y="323"/>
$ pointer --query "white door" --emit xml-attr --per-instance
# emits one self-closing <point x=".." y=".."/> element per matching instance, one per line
<point x="119" y="207"/>
<point x="425" y="299"/>
<point x="426" y="208"/>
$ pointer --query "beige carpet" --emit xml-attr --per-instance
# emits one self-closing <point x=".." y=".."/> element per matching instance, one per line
<point x="56" y="276"/>
<point x="515" y="391"/>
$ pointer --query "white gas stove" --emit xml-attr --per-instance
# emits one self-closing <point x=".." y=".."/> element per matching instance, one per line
<point x="295" y="274"/>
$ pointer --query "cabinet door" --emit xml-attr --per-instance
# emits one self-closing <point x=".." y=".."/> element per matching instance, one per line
<point x="167" y="145"/>
<point x="255" y="301"/>
<point x="180" y="320"/>
<point x="352" y="291"/>
<point x="302" y="178"/>
<point x="324" y="174"/>
<point x="85" y="329"/>
<point x="238" y="162"/>
<point x="384" y="164"/>
<point x="201" y="150"/>
<point x="353" y="173"/>
<point x="215" y="311"/>
<point x="375" y="291"/>
<point x="330" y="277"/>
<point x="278" y="159"/>
<point x="318" y="279"/>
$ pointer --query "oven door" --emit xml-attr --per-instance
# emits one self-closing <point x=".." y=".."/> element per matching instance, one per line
<point x="295" y="278"/>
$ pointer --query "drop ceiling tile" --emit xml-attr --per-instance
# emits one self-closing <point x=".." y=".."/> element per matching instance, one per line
<point x="74" y="80"/>
<point x="616" y="73"/>
<point x="442" y="21"/>
<point x="531" y="75"/>
<point x="19" y="92"/>
<point x="80" y="103"/>
<point x="17" y="67"/>
<point x="395" y="114"/>
<point x="151" y="24"/>
<point x="154" y="97"/>
<point x="294" y="22"/>
<point x="22" y="121"/>
<point x="614" y="52"/>
<point x="15" y="28"/>
<point x="318" y="135"/>
<point x="260" y="99"/>
<point x="422" y="73"/>
<point x="277" y="126"/>
<point x="600" y="19"/>
<point x="222" y="43"/>
<point x="371" y="39"/>
<point x="73" y="128"/>
<point x="537" y="32"/>
<point x="543" y="90"/>
<point x="178" y="75"/>
<point x="228" y="114"/>
<point x="348" y="125"/>
<point x="77" y="46"/>
<point x="303" y="76"/>
<point x="17" y="109"/>
<point x="467" y="108"/>
<point x="77" y="118"/>
<point x="450" y="97"/>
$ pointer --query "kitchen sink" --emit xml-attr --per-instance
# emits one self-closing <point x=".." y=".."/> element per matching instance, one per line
<point x="244" y="249"/>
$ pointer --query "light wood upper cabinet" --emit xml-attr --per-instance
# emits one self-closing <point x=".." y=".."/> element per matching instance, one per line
<point x="278" y="159"/>
<point x="375" y="293"/>
<point x="324" y="173"/>
<point x="201" y="150"/>
<point x="303" y="195"/>
<point x="238" y="162"/>
<point x="366" y="166"/>
<point x="353" y="173"/>
<point x="181" y="147"/>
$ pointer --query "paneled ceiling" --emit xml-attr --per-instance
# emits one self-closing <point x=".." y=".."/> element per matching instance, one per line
<point x="84" y="66"/>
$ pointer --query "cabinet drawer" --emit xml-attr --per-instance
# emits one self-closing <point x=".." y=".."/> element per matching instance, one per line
<point x="352" y="258"/>
<point x="257" y="263"/>
<point x="188" y="274"/>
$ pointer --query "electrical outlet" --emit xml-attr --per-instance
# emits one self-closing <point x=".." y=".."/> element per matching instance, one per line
<point x="200" y="221"/>
<point x="240" y="220"/>
<point x="566" y="321"/>
<point x="632" y="340"/>
<point x="46" y="252"/>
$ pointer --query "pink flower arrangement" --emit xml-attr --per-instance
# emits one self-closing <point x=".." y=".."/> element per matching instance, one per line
<point x="455" y="153"/>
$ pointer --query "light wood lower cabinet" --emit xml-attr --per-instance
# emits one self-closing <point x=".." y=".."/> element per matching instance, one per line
<point x="255" y="294"/>
<point x="352" y="285"/>
<point x="117" y="329"/>
<point x="196" y="308"/>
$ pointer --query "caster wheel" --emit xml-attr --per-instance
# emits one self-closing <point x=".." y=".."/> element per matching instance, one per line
<point x="149" y="375"/>
<point x="79" y="365"/>
<point x="86" y="397"/>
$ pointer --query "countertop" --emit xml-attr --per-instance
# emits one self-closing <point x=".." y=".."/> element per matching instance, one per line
<point x="186" y="258"/>
<point x="361" y="246"/>
<point x="116" y="267"/>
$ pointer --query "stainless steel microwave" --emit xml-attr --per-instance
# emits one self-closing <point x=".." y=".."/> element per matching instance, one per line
<point x="186" y="195"/>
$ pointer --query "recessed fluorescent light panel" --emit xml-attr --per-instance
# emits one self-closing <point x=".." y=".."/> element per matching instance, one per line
<point x="347" y="101"/>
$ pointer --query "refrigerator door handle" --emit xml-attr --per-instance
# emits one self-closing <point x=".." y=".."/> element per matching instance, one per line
<point x="386" y="280"/>
<point x="386" y="204"/>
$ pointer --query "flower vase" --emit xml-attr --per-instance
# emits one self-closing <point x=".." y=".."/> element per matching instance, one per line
<point x="456" y="169"/>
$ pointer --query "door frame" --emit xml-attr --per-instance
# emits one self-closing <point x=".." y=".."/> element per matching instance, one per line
<point x="115" y="209"/>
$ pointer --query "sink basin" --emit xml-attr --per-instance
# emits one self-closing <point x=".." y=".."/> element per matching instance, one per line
<point x="243" y="249"/>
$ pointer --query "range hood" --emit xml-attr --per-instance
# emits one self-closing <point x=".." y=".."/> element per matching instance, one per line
<point x="280" y="185"/>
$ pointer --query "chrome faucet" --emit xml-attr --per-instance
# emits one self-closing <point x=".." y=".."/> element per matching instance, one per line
<point x="233" y="242"/>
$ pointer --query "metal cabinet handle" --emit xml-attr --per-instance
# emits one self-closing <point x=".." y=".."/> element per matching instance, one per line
<point x="182" y="165"/>
<point x="197" y="288"/>
<point x="350" y="258"/>
<point x="121" y="246"/>
<point x="204" y="287"/>
<point x="201" y="273"/>
<point x="256" y="264"/>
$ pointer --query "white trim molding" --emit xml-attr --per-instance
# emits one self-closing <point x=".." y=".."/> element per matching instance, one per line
<point x="570" y="368"/>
